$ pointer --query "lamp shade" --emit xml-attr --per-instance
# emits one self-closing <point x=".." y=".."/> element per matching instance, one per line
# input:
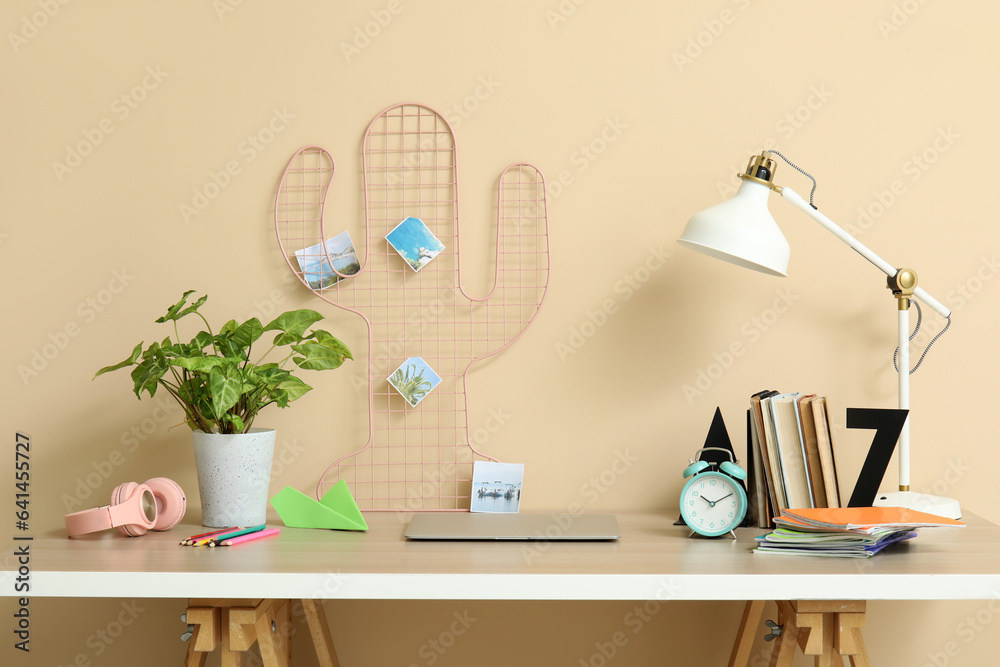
<point x="740" y="231"/>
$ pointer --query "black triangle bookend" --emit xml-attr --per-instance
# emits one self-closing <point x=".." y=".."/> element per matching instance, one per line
<point x="718" y="436"/>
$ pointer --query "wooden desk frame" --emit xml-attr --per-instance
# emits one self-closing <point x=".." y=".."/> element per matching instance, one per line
<point x="826" y="629"/>
<point x="235" y="625"/>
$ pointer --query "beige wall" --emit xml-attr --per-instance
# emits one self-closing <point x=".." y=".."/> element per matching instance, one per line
<point x="891" y="105"/>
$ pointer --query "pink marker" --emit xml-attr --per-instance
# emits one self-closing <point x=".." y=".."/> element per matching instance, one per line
<point x="261" y="534"/>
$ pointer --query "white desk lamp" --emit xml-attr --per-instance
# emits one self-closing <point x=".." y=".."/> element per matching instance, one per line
<point x="741" y="231"/>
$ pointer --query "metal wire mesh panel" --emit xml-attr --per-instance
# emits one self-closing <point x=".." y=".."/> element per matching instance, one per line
<point x="418" y="457"/>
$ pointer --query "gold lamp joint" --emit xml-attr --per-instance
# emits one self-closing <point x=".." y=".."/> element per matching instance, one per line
<point x="902" y="285"/>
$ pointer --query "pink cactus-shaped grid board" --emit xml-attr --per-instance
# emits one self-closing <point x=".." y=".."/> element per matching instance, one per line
<point x="419" y="458"/>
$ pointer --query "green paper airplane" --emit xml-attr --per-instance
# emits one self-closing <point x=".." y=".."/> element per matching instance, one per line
<point x="336" y="510"/>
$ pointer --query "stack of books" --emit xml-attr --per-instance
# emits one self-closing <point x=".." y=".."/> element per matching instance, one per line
<point x="845" y="532"/>
<point x="791" y="451"/>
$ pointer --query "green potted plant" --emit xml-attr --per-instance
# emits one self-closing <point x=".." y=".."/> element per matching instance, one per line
<point x="221" y="390"/>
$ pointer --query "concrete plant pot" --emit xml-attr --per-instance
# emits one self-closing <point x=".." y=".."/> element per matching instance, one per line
<point x="234" y="474"/>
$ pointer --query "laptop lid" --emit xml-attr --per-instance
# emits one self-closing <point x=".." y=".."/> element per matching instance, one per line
<point x="481" y="526"/>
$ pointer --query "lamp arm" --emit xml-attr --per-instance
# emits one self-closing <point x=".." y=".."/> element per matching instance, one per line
<point x="798" y="202"/>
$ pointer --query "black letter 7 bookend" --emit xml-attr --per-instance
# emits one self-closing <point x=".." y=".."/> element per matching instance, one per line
<point x="888" y="424"/>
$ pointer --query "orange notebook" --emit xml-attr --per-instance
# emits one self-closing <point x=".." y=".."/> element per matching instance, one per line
<point x="860" y="518"/>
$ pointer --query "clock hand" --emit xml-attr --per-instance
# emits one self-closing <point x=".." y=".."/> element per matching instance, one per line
<point x="712" y="503"/>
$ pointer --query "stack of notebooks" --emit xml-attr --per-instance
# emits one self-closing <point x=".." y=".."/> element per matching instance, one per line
<point x="791" y="455"/>
<point x="845" y="532"/>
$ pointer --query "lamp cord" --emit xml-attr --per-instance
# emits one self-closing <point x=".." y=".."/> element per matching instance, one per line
<point x="801" y="171"/>
<point x="916" y="329"/>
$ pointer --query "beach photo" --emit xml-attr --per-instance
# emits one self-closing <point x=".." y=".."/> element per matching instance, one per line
<point x="496" y="487"/>
<point x="315" y="261"/>
<point x="414" y="242"/>
<point x="414" y="380"/>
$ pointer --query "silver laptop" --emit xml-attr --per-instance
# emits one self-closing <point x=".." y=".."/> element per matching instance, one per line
<point x="542" y="527"/>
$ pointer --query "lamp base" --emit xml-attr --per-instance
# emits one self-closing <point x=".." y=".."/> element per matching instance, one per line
<point x="921" y="502"/>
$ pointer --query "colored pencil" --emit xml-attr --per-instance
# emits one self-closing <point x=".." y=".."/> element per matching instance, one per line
<point x="194" y="538"/>
<point x="214" y="541"/>
<point x="249" y="538"/>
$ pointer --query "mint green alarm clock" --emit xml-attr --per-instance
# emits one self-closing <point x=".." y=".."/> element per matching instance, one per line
<point x="713" y="502"/>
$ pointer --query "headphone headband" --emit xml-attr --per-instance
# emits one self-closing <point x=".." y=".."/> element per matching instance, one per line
<point x="138" y="509"/>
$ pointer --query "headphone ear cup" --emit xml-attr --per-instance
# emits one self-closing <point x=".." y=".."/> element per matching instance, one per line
<point x="120" y="494"/>
<point x="170" y="502"/>
<point x="733" y="470"/>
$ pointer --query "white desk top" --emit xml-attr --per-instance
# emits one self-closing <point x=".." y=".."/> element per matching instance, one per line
<point x="653" y="560"/>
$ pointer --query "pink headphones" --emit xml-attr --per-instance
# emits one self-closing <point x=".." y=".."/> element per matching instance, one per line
<point x="157" y="504"/>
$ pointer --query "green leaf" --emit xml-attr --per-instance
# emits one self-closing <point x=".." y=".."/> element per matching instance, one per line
<point x="322" y="353"/>
<point x="294" y="389"/>
<point x="196" y="348"/>
<point x="327" y="339"/>
<point x="235" y="421"/>
<point x="293" y="324"/>
<point x="195" y="393"/>
<point x="272" y="375"/>
<point x="201" y="341"/>
<point x="122" y="364"/>
<point x="198" y="364"/>
<point x="147" y="374"/>
<point x="220" y="388"/>
<point x="177" y="311"/>
<point x="248" y="333"/>
<point x="224" y="383"/>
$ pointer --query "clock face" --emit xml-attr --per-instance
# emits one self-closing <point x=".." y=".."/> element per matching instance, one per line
<point x="712" y="503"/>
